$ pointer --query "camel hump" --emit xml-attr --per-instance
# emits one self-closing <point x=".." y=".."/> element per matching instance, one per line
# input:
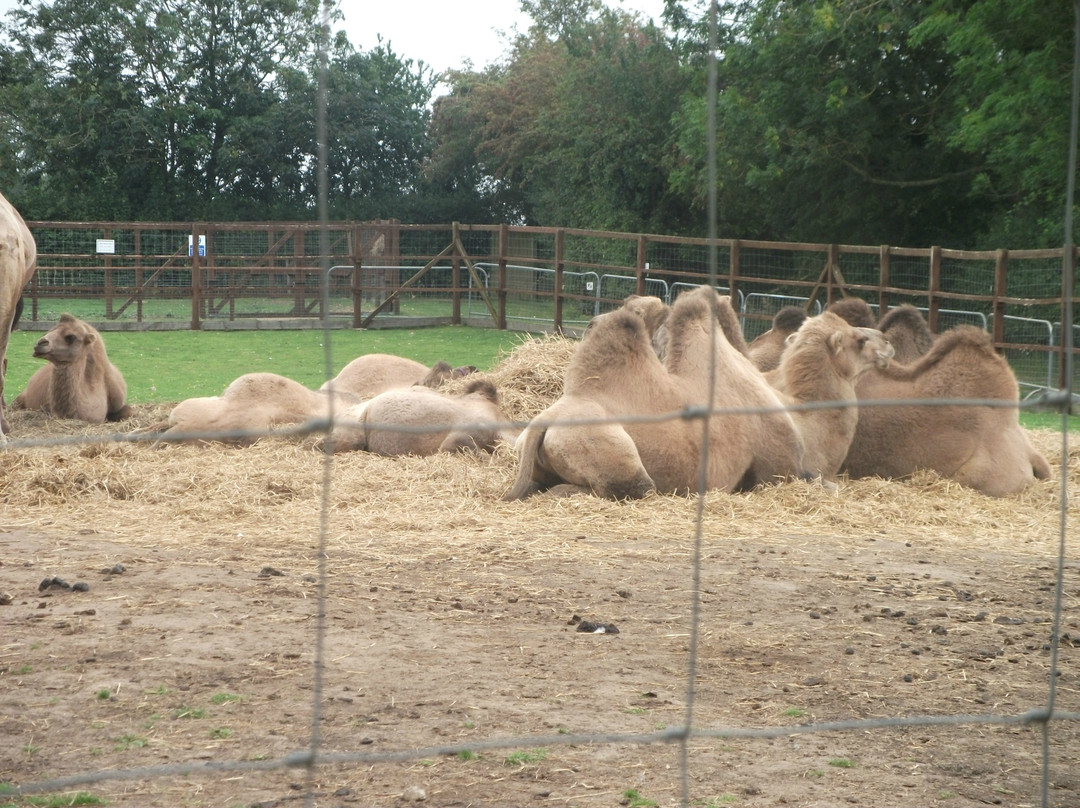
<point x="855" y="310"/>
<point x="789" y="318"/>
<point x="483" y="387"/>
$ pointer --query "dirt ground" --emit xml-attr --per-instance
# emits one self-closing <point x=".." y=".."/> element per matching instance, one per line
<point x="454" y="673"/>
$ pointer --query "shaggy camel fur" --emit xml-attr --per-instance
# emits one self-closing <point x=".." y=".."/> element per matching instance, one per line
<point x="982" y="447"/>
<point x="250" y="406"/>
<point x="907" y="330"/>
<point x="767" y="348"/>
<point x="821" y="363"/>
<point x="615" y="374"/>
<point x="18" y="256"/>
<point x="654" y="312"/>
<point x="903" y="326"/>
<point x="79" y="381"/>
<point x="371" y="374"/>
<point x="420" y="421"/>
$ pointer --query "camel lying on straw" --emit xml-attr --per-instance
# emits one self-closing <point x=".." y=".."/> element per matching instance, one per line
<point x="420" y="421"/>
<point x="78" y="380"/>
<point x="983" y="447"/>
<point x="616" y="374"/>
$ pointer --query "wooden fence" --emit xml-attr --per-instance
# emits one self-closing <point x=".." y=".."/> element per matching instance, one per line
<point x="378" y="274"/>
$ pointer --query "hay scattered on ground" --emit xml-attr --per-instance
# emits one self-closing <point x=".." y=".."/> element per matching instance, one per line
<point x="272" y="493"/>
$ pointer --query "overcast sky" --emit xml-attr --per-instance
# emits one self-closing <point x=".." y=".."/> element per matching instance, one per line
<point x="441" y="33"/>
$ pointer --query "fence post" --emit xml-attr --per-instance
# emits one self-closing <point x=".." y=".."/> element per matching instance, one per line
<point x="884" y="252"/>
<point x="109" y="291"/>
<point x="196" y="277"/>
<point x="500" y="275"/>
<point x="997" y="305"/>
<point x="935" y="287"/>
<point x="356" y="282"/>
<point x="733" y="274"/>
<point x="832" y="257"/>
<point x="455" y="276"/>
<point x="559" y="238"/>
<point x="642" y="253"/>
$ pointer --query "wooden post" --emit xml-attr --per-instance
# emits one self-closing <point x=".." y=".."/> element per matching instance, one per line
<point x="997" y="305"/>
<point x="559" y="239"/>
<point x="356" y="286"/>
<point x="883" y="280"/>
<point x="500" y="276"/>
<point x="106" y="233"/>
<point x="733" y="272"/>
<point x="196" y="278"/>
<point x="935" y="287"/>
<point x="642" y="253"/>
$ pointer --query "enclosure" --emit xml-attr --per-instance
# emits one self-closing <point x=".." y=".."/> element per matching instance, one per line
<point x="269" y="275"/>
<point x="183" y="623"/>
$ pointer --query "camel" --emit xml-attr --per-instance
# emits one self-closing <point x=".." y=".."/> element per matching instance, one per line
<point x="615" y="374"/>
<point x="371" y="374"/>
<point x="907" y="330"/>
<point x="765" y="349"/>
<point x="821" y="363"/>
<point x="18" y="259"/>
<point x="654" y="312"/>
<point x="982" y="447"/>
<point x="250" y="406"/>
<point x="420" y="421"/>
<point x="79" y="381"/>
<point x="903" y="326"/>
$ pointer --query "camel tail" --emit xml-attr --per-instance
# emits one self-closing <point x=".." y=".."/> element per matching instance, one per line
<point x="528" y="446"/>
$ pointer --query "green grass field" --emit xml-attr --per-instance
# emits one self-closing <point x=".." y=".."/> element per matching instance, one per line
<point x="164" y="366"/>
<point x="168" y="366"/>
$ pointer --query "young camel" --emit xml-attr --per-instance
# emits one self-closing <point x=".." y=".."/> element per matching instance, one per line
<point x="78" y="381"/>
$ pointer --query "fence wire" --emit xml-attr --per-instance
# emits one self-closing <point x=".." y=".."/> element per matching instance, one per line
<point x="313" y="757"/>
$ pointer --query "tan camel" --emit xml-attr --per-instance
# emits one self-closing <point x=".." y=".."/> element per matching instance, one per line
<point x="371" y="374"/>
<point x="78" y="381"/>
<point x="420" y="421"/>
<point x="18" y="258"/>
<point x="821" y="363"/>
<point x="576" y="446"/>
<point x="982" y="447"/>
<point x="766" y="349"/>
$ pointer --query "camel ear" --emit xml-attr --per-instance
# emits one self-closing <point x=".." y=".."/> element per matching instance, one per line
<point x="836" y="341"/>
<point x="790" y="338"/>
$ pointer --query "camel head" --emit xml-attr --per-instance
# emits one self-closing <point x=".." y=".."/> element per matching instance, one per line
<point x="67" y="342"/>
<point x="851" y="350"/>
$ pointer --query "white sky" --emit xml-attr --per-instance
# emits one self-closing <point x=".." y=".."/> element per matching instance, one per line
<point x="441" y="33"/>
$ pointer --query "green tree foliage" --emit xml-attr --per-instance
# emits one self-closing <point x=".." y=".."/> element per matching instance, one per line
<point x="575" y="129"/>
<point x="885" y="122"/>
<point x="189" y="109"/>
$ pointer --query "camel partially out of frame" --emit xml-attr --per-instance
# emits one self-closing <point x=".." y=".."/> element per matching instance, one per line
<point x="18" y="259"/>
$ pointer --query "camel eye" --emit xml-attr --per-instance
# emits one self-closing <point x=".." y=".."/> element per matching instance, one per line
<point x="69" y="338"/>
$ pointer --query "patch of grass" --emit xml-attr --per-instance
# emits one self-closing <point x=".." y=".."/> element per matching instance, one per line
<point x="525" y="757"/>
<point x="23" y="671"/>
<point x="30" y="749"/>
<point x="632" y="798"/>
<point x="220" y="733"/>
<point x="126" y="742"/>
<point x="59" y="800"/>
<point x="225" y="698"/>
<point x="794" y="712"/>
<point x="468" y="724"/>
<point x="814" y="773"/>
<point x="947" y="795"/>
<point x="1048" y="420"/>
<point x="104" y="693"/>
<point x="722" y="799"/>
<point x="168" y="366"/>
<point x="842" y="763"/>
<point x="636" y="711"/>
<point x="189" y="712"/>
<point x="160" y="690"/>
<point x="467" y="754"/>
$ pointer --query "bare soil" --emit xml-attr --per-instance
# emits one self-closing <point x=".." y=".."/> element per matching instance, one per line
<point x="454" y="670"/>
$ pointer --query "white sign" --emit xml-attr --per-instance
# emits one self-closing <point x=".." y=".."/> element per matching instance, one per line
<point x="106" y="246"/>
<point x="202" y="245"/>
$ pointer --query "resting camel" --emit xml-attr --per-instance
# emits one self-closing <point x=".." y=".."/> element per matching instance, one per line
<point x="654" y="312"/>
<point x="903" y="326"/>
<point x="420" y="421"/>
<point x="371" y="374"/>
<point x="18" y="256"/>
<point x="615" y="373"/>
<point x="821" y="363"/>
<point x="79" y="381"/>
<point x="765" y="350"/>
<point x="984" y="448"/>
<point x="253" y="404"/>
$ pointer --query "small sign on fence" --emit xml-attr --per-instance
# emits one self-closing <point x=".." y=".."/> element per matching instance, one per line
<point x="202" y="246"/>
<point x="106" y="246"/>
